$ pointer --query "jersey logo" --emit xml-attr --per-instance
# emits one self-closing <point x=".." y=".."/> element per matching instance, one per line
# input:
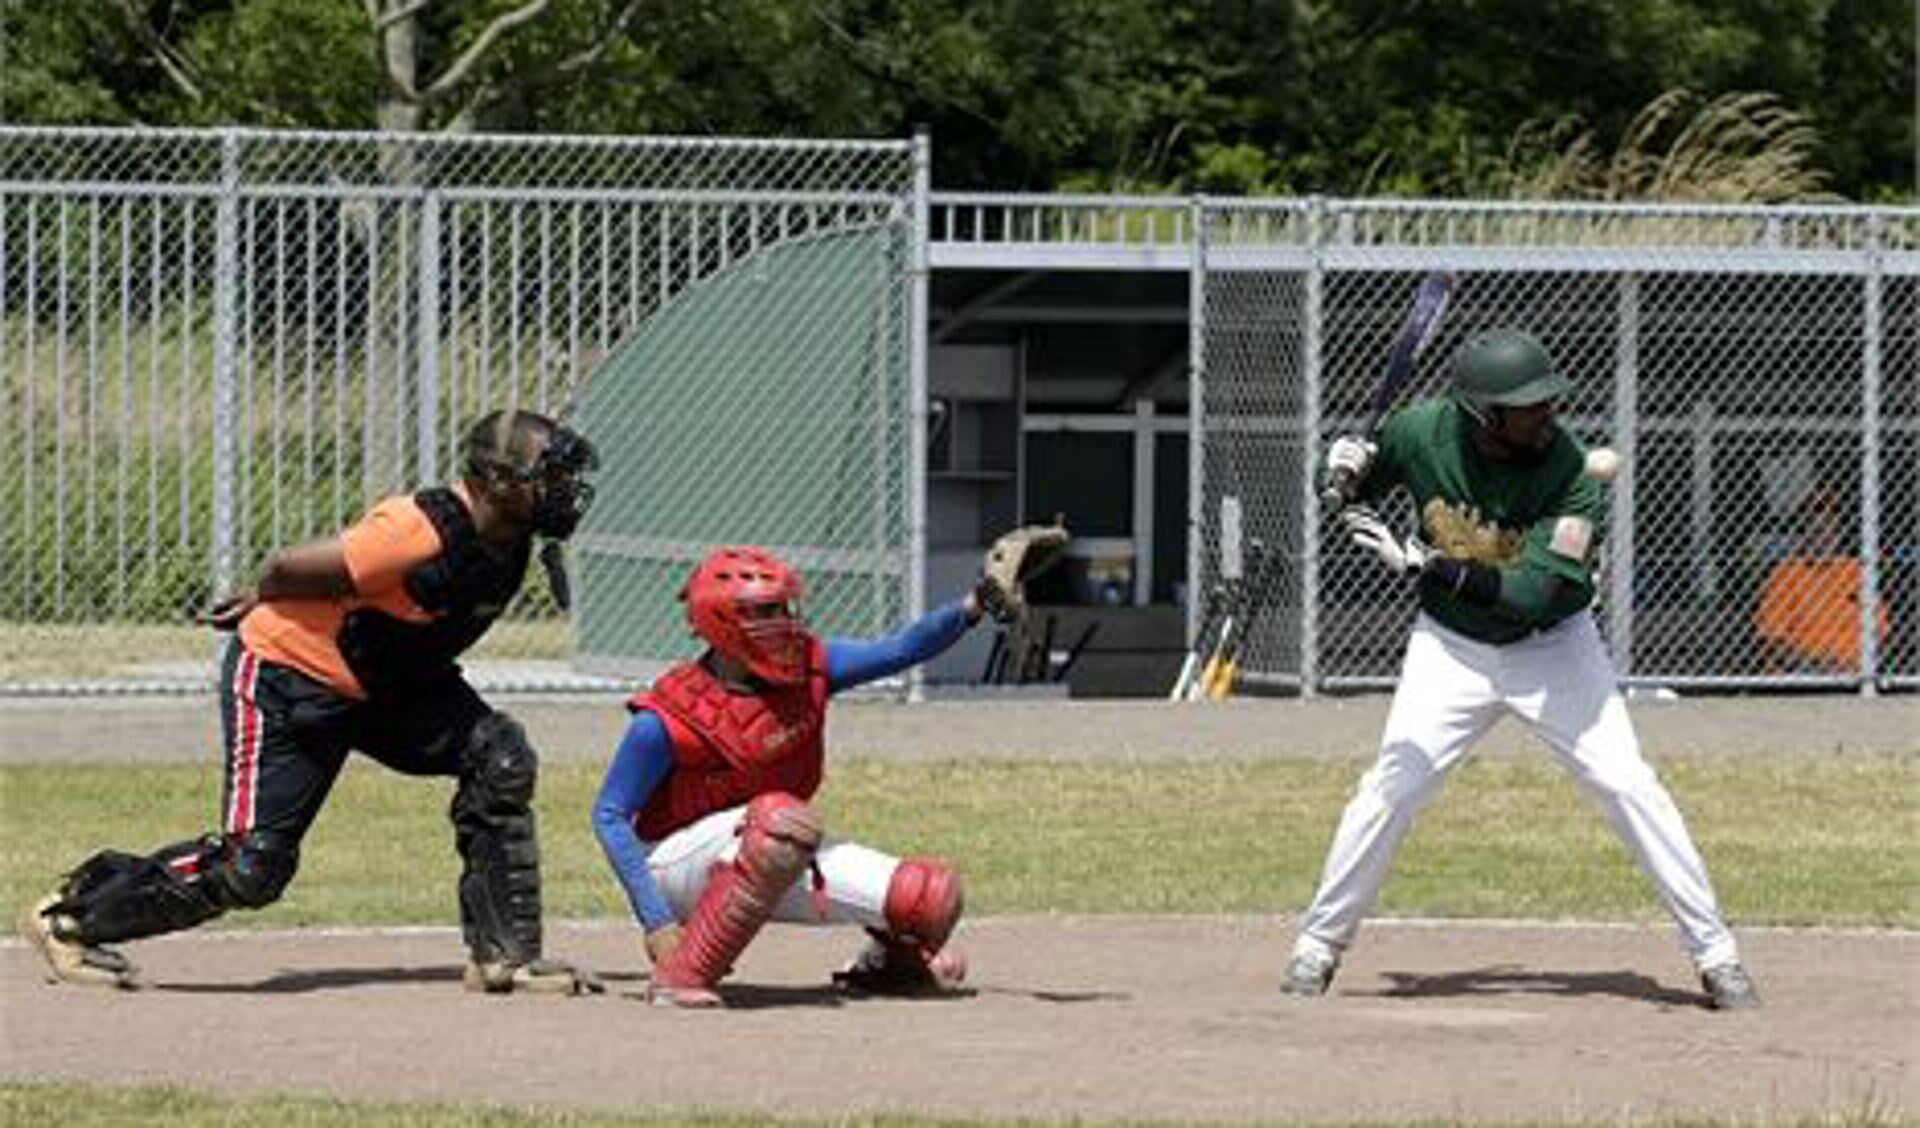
<point x="1572" y="536"/>
<point x="1462" y="533"/>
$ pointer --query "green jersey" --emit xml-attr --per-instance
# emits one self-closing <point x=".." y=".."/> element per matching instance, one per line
<point x="1537" y="522"/>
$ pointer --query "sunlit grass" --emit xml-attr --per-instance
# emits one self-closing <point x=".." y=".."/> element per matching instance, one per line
<point x="1789" y="839"/>
<point x="99" y="1106"/>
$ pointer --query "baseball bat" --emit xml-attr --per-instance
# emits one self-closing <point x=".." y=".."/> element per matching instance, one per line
<point x="1073" y="653"/>
<point x="1220" y="686"/>
<point x="1416" y="333"/>
<point x="1219" y="662"/>
<point x="1202" y="644"/>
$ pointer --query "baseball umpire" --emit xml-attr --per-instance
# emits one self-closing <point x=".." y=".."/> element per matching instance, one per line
<point x="705" y="814"/>
<point x="350" y="643"/>
<point x="1503" y="572"/>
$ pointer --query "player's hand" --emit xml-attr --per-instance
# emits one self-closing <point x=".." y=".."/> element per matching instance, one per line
<point x="1348" y="460"/>
<point x="1366" y="529"/>
<point x="661" y="942"/>
<point x="1350" y="457"/>
<point x="227" y="613"/>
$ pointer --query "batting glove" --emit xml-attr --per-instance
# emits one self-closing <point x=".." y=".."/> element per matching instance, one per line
<point x="1366" y="529"/>
<point x="1349" y="457"/>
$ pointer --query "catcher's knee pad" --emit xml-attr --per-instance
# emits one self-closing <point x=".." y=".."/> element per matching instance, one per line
<point x="499" y="760"/>
<point x="498" y="840"/>
<point x="924" y="902"/>
<point x="254" y="868"/>
<point x="778" y="839"/>
<point x="779" y="835"/>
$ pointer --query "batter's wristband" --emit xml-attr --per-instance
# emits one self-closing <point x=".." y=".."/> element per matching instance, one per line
<point x="1463" y="579"/>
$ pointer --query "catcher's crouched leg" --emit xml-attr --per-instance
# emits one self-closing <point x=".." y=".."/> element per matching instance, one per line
<point x="778" y="839"/>
<point x="495" y="831"/>
<point x="924" y="901"/>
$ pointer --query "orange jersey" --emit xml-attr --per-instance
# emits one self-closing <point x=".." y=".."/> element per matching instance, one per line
<point x="392" y="539"/>
<point x="1812" y="607"/>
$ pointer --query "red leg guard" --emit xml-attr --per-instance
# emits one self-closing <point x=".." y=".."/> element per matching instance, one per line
<point x="924" y="901"/>
<point x="923" y="904"/>
<point x="777" y="841"/>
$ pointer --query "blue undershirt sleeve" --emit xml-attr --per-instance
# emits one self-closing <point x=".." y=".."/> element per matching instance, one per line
<point x="851" y="662"/>
<point x="642" y="760"/>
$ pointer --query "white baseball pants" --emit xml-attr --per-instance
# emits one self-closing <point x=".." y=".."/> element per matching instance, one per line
<point x="1451" y="691"/>
<point x="855" y="877"/>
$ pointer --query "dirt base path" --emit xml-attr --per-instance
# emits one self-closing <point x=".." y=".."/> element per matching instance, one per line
<point x="1089" y="1017"/>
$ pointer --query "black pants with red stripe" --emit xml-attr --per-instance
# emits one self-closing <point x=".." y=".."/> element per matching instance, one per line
<point x="286" y="738"/>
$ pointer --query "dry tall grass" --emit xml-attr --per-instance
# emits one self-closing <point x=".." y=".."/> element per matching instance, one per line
<point x="1737" y="148"/>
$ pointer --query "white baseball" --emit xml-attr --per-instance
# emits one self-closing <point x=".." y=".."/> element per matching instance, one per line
<point x="1603" y="464"/>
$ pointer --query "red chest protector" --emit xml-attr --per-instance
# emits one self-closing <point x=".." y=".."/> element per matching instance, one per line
<point x="730" y="747"/>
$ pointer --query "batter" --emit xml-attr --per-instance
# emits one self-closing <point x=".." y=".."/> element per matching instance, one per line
<point x="1503" y="570"/>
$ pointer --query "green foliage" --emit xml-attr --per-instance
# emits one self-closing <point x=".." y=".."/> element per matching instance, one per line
<point x="1362" y="96"/>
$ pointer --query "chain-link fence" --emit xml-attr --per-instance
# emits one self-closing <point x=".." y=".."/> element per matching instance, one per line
<point x="1758" y="370"/>
<point x="215" y="343"/>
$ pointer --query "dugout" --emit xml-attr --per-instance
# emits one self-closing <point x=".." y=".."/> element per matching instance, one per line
<point x="1064" y="391"/>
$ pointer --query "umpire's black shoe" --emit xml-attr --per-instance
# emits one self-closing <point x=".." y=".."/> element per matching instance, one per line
<point x="1730" y="988"/>
<point x="1308" y="975"/>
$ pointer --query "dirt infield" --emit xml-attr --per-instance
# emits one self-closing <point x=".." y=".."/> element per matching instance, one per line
<point x="1066" y="1017"/>
<point x="1086" y="1017"/>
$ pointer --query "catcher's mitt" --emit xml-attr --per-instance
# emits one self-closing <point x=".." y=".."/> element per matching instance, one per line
<point x="1015" y="558"/>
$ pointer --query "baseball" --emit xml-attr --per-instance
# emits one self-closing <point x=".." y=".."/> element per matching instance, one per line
<point x="1603" y="464"/>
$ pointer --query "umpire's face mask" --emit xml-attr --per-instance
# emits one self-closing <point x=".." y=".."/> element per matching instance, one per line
<point x="561" y="494"/>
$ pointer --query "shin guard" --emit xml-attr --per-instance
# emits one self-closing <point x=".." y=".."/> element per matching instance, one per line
<point x="778" y="840"/>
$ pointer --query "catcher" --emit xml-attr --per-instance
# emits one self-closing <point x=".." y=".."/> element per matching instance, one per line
<point x="704" y="814"/>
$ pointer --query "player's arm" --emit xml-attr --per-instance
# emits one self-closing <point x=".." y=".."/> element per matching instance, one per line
<point x="314" y="570"/>
<point x="852" y="662"/>
<point x="642" y="760"/>
<point x="1553" y="575"/>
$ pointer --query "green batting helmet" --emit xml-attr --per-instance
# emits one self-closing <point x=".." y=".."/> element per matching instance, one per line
<point x="1505" y="368"/>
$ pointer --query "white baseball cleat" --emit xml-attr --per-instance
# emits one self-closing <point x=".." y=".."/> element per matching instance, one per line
<point x="1308" y="975"/>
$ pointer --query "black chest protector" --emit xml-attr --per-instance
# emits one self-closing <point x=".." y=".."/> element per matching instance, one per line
<point x="465" y="588"/>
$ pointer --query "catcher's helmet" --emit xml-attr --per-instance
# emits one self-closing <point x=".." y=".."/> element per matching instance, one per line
<point x="1505" y="368"/>
<point x="500" y="448"/>
<point x="745" y="602"/>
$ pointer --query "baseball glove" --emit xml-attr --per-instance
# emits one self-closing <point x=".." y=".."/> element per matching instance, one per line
<point x="1015" y="558"/>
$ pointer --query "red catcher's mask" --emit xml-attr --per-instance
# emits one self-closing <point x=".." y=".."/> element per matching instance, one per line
<point x="745" y="602"/>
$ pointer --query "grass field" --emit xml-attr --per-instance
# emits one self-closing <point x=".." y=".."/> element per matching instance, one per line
<point x="84" y="1106"/>
<point x="1789" y="839"/>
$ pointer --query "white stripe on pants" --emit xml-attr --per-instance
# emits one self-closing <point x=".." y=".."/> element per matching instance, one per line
<point x="856" y="876"/>
<point x="1451" y="691"/>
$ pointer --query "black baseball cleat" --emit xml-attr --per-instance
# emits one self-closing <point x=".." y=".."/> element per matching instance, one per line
<point x="1308" y="975"/>
<point x="1730" y="988"/>
<point x="892" y="967"/>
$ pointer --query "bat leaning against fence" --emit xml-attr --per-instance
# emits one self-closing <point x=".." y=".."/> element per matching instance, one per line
<point x="1222" y="674"/>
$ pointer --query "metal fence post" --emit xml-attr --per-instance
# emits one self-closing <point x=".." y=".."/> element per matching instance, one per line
<point x="427" y="424"/>
<point x="1872" y="345"/>
<point x="1626" y="423"/>
<point x="1196" y="418"/>
<point x="1312" y="373"/>
<point x="917" y="305"/>
<point x="226" y="270"/>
